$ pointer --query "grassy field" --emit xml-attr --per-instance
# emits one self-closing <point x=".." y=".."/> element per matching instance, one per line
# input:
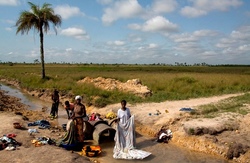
<point x="166" y="82"/>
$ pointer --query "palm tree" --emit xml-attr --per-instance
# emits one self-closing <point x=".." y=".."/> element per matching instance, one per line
<point x="38" y="19"/>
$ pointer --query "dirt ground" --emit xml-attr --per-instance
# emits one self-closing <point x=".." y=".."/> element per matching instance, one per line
<point x="232" y="131"/>
<point x="226" y="135"/>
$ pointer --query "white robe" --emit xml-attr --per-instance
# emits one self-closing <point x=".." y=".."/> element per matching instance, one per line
<point x="125" y="142"/>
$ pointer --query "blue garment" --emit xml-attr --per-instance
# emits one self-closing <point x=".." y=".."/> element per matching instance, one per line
<point x="186" y="109"/>
<point x="43" y="124"/>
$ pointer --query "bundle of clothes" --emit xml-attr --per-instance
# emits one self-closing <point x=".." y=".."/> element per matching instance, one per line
<point x="43" y="124"/>
<point x="43" y="141"/>
<point x="164" y="135"/>
<point x="7" y="142"/>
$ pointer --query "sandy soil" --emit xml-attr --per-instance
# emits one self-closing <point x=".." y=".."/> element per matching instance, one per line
<point x="147" y="123"/>
<point x="228" y="130"/>
<point x="13" y="111"/>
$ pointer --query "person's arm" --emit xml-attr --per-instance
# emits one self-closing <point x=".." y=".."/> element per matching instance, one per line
<point x="67" y="112"/>
<point x="118" y="117"/>
<point x="129" y="114"/>
<point x="72" y="115"/>
<point x="84" y="111"/>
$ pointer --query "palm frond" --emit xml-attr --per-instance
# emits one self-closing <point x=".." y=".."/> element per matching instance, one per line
<point x="38" y="17"/>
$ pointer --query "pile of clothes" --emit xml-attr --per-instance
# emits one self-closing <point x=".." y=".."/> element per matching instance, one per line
<point x="164" y="135"/>
<point x="43" y="124"/>
<point x="43" y="141"/>
<point x="110" y="115"/>
<point x="8" y="142"/>
<point x="90" y="151"/>
<point x="95" y="117"/>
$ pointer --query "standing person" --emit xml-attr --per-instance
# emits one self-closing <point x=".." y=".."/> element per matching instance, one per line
<point x="55" y="104"/>
<point x="69" y="107"/>
<point x="79" y="113"/>
<point x="75" y="135"/>
<point x="125" y="136"/>
<point x="123" y="114"/>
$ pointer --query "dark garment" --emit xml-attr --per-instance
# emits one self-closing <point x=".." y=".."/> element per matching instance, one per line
<point x="55" y="104"/>
<point x="54" y="109"/>
<point x="69" y="113"/>
<point x="43" y="124"/>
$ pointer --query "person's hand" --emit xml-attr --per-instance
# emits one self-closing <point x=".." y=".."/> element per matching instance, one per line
<point x="116" y="120"/>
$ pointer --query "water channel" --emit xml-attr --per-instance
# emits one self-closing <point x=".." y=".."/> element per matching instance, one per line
<point x="161" y="153"/>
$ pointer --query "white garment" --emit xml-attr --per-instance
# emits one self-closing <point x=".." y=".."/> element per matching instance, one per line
<point x="123" y="115"/>
<point x="125" y="142"/>
<point x="162" y="134"/>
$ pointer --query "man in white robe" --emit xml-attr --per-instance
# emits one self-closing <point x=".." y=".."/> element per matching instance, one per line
<point x="125" y="136"/>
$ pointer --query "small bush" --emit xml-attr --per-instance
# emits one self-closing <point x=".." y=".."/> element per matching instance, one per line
<point x="191" y="131"/>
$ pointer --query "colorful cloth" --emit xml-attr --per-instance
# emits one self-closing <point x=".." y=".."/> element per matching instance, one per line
<point x="74" y="134"/>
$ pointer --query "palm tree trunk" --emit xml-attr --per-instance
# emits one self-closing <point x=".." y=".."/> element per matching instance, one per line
<point x="42" y="52"/>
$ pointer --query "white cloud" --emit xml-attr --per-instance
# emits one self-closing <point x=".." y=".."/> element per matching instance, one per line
<point x="137" y="39"/>
<point x="134" y="26"/>
<point x="200" y="37"/>
<point x="221" y="5"/>
<point x="205" y="33"/>
<point x="66" y="11"/>
<point x="68" y="49"/>
<point x="184" y="37"/>
<point x="33" y="54"/>
<point x="117" y="43"/>
<point x="10" y="21"/>
<point x="121" y="10"/>
<point x="156" y="24"/>
<point x="236" y="45"/>
<point x="159" y="23"/>
<point x="244" y="47"/>
<point x="152" y="46"/>
<point x="104" y="2"/>
<point x="77" y="33"/>
<point x="8" y="29"/>
<point x="9" y="2"/>
<point x="192" y="12"/>
<point x="202" y="7"/>
<point x="164" y="6"/>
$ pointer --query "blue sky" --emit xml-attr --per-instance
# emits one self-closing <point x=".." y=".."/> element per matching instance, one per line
<point x="133" y="31"/>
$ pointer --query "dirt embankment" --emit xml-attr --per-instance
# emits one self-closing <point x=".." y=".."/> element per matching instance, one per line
<point x="227" y="135"/>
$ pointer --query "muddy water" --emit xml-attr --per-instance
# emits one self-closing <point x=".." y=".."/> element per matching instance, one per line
<point x="161" y="153"/>
<point x="35" y="103"/>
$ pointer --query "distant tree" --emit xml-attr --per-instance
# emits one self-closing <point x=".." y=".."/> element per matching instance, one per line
<point x="36" y="61"/>
<point x="38" y="19"/>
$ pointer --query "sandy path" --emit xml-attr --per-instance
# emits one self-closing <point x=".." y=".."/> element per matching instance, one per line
<point x="142" y="111"/>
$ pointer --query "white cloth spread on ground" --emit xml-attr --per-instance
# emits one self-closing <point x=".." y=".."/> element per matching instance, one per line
<point x="125" y="142"/>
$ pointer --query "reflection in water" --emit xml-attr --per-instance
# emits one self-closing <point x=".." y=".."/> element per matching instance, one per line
<point x="161" y="153"/>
